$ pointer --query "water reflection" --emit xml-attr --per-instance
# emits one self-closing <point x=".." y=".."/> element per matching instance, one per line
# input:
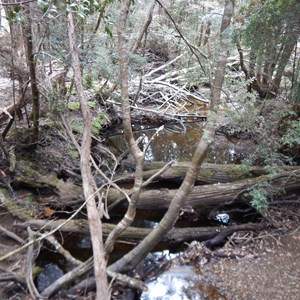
<point x="168" y="144"/>
<point x="174" y="145"/>
<point x="179" y="144"/>
<point x="178" y="283"/>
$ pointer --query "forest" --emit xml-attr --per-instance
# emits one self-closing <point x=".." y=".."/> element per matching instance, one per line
<point x="131" y="129"/>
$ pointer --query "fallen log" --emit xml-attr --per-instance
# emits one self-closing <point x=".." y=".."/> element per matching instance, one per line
<point x="202" y="197"/>
<point x="9" y="111"/>
<point x="221" y="237"/>
<point x="209" y="173"/>
<point x="207" y="196"/>
<point x="44" y="182"/>
<point x="132" y="234"/>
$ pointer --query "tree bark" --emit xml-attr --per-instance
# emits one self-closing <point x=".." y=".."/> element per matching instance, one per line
<point x="205" y="197"/>
<point x="209" y="173"/>
<point x="291" y="38"/>
<point x="143" y="30"/>
<point x="94" y="214"/>
<point x="202" y="197"/>
<point x="130" y="260"/>
<point x="131" y="234"/>
<point x="136" y="152"/>
<point x="27" y="30"/>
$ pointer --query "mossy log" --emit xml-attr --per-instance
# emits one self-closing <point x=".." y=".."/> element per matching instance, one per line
<point x="202" y="196"/>
<point x="23" y="212"/>
<point x="206" y="197"/>
<point x="16" y="209"/>
<point x="208" y="174"/>
<point x="45" y="182"/>
<point x="132" y="234"/>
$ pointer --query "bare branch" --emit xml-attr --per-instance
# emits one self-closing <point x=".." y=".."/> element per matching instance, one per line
<point x="29" y="280"/>
<point x="94" y="214"/>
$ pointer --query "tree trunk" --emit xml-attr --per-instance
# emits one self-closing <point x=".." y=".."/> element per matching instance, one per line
<point x="209" y="173"/>
<point x="94" y="214"/>
<point x="143" y="30"/>
<point x="131" y="234"/>
<point x="130" y="260"/>
<point x="27" y="30"/>
<point x="136" y="152"/>
<point x="202" y="197"/>
<point x="291" y="39"/>
<point x="205" y="197"/>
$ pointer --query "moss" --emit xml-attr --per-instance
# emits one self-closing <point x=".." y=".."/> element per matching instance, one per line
<point x="36" y="270"/>
<point x="206" y="173"/>
<point x="77" y="128"/>
<point x="73" y="153"/>
<point x="241" y="172"/>
<point x="91" y="104"/>
<point x="74" y="105"/>
<point x="35" y="179"/>
<point x="21" y="212"/>
<point x="98" y="122"/>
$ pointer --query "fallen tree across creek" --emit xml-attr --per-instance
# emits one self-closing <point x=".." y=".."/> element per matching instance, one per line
<point x="209" y="173"/>
<point x="202" y="197"/>
<point x="132" y="234"/>
<point x="206" y="197"/>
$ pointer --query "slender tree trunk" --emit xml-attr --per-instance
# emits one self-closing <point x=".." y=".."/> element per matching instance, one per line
<point x="291" y="39"/>
<point x="131" y="142"/>
<point x="143" y="31"/>
<point x="130" y="260"/>
<point x="27" y="30"/>
<point x="94" y="214"/>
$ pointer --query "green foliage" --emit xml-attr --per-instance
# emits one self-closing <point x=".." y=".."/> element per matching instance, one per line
<point x="248" y="115"/>
<point x="267" y="154"/>
<point x="295" y="92"/>
<point x="91" y="104"/>
<point x="259" y="196"/>
<point x="88" y="80"/>
<point x="108" y="30"/>
<point x="73" y="153"/>
<point x="98" y="122"/>
<point x="76" y="127"/>
<point x="43" y="5"/>
<point x="105" y="61"/>
<point x="49" y="8"/>
<point x="14" y="14"/>
<point x="53" y="99"/>
<point x="243" y="111"/>
<point x="267" y="22"/>
<point x="267" y="28"/>
<point x="73" y="105"/>
<point x="292" y="135"/>
<point x="83" y="8"/>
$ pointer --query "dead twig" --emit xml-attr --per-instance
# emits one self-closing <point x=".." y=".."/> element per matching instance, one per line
<point x="12" y="235"/>
<point x="30" y="257"/>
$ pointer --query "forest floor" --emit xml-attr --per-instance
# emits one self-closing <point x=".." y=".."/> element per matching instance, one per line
<point x="266" y="267"/>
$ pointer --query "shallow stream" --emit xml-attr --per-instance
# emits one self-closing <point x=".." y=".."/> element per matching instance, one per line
<point x="179" y="282"/>
<point x="176" y="143"/>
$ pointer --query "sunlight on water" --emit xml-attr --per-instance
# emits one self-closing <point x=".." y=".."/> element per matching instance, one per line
<point x="223" y="218"/>
<point x="178" y="283"/>
<point x="179" y="145"/>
